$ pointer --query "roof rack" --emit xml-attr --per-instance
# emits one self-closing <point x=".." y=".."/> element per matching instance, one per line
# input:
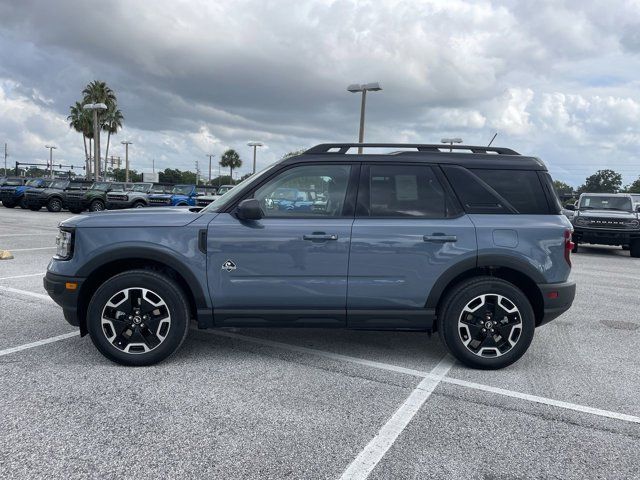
<point x="343" y="148"/>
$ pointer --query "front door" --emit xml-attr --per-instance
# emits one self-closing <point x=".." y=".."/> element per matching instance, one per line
<point x="407" y="233"/>
<point x="290" y="267"/>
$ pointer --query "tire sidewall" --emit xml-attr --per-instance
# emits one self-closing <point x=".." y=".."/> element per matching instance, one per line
<point x="452" y="310"/>
<point x="162" y="286"/>
<point x="95" y="203"/>
<point x="54" y="205"/>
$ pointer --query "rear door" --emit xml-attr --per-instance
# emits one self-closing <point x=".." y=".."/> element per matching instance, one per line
<point x="408" y="231"/>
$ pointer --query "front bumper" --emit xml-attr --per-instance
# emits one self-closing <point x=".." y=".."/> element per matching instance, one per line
<point x="56" y="287"/>
<point x="557" y="299"/>
<point x="602" y="236"/>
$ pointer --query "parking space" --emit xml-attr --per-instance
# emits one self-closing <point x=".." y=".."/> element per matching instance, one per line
<point x="277" y="403"/>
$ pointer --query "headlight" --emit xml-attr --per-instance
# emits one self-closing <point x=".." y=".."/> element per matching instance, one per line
<point x="64" y="244"/>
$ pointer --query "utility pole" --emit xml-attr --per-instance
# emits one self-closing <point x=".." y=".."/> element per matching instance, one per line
<point x="51" y="149"/>
<point x="5" y="158"/>
<point x="255" y="145"/>
<point x="126" y="144"/>
<point x="367" y="87"/>
<point x="210" y="155"/>
<point x="197" y="172"/>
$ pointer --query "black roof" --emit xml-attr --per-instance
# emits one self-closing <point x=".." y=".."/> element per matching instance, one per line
<point x="469" y="156"/>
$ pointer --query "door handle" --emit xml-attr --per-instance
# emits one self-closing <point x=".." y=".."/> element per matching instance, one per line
<point x="320" y="237"/>
<point x="440" y="238"/>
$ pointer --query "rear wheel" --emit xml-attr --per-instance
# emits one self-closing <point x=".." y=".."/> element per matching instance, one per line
<point x="139" y="204"/>
<point x="54" y="205"/>
<point x="96" y="206"/>
<point x="635" y="249"/>
<point x="486" y="323"/>
<point x="138" y="318"/>
<point x="9" y="204"/>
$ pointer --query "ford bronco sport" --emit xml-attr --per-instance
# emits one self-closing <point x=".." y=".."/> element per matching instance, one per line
<point x="54" y="195"/>
<point x="469" y="243"/>
<point x="135" y="197"/>
<point x="607" y="219"/>
<point x="94" y="198"/>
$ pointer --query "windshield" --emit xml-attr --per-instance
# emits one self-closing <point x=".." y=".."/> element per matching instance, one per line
<point x="234" y="192"/>
<point x="102" y="186"/>
<point x="602" y="202"/>
<point x="60" y="184"/>
<point x="141" y="187"/>
<point x="12" y="182"/>
<point x="34" y="182"/>
<point x="182" y="189"/>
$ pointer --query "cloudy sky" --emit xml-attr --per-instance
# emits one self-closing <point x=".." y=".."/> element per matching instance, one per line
<point x="555" y="79"/>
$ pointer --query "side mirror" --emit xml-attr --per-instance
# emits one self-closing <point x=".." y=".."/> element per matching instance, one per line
<point x="249" y="209"/>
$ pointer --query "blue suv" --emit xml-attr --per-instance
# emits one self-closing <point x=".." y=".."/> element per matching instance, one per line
<point x="470" y="243"/>
<point x="178" y="196"/>
<point x="13" y="189"/>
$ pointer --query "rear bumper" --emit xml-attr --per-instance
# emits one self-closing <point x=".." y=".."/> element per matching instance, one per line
<point x="557" y="298"/>
<point x="56" y="287"/>
<point x="604" y="237"/>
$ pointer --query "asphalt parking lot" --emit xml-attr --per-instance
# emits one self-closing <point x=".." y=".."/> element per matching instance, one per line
<point x="317" y="404"/>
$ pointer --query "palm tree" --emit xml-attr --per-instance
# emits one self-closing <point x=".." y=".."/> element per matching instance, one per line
<point x="230" y="159"/>
<point x="99" y="92"/>
<point x="80" y="120"/>
<point x="112" y="122"/>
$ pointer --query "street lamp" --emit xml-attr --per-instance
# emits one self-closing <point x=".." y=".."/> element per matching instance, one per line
<point x="126" y="144"/>
<point x="96" y="135"/>
<point x="364" y="88"/>
<point x="451" y="141"/>
<point x="210" y="155"/>
<point x="255" y="145"/>
<point x="51" y="149"/>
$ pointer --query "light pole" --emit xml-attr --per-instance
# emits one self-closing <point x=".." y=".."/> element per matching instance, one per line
<point x="210" y="155"/>
<point x="364" y="88"/>
<point x="451" y="141"/>
<point x="51" y="149"/>
<point x="96" y="136"/>
<point x="126" y="144"/>
<point x="255" y="145"/>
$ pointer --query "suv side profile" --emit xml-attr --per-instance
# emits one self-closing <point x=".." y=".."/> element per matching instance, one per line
<point x="608" y="219"/>
<point x="53" y="196"/>
<point x="94" y="198"/>
<point x="12" y="191"/>
<point x="469" y="243"/>
<point x="135" y="197"/>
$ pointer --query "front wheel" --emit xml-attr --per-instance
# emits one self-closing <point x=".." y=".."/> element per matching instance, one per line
<point x="9" y="204"/>
<point x="139" y="204"/>
<point x="54" y="205"/>
<point x="138" y="318"/>
<point x="96" y="206"/>
<point x="486" y="323"/>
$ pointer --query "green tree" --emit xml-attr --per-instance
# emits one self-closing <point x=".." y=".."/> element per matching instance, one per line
<point x="120" y="174"/>
<point x="603" y="181"/>
<point x="230" y="159"/>
<point x="176" y="176"/>
<point x="112" y="122"/>
<point x="80" y="120"/>
<point x="562" y="188"/>
<point x="634" y="187"/>
<point x="99" y="92"/>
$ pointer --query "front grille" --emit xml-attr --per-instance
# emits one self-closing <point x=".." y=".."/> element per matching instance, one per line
<point x="203" y="202"/>
<point x="8" y="192"/>
<point x="603" y="222"/>
<point x="160" y="201"/>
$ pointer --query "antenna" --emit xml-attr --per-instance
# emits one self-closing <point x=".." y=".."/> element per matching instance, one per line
<point x="492" y="139"/>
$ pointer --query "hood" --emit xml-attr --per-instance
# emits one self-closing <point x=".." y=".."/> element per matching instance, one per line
<point x="613" y="214"/>
<point x="135" y="218"/>
<point x="45" y="191"/>
<point x="160" y="195"/>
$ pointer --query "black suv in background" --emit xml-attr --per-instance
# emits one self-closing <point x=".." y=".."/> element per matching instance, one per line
<point x="54" y="196"/>
<point x="95" y="198"/>
<point x="137" y="196"/>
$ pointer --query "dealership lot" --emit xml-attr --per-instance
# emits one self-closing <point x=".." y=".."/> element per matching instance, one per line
<point x="317" y="403"/>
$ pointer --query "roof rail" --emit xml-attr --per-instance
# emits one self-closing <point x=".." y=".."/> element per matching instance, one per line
<point x="343" y="148"/>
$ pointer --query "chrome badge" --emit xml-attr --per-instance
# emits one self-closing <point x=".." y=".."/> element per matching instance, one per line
<point x="229" y="266"/>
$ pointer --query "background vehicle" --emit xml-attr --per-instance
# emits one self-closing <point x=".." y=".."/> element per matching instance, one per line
<point x="607" y="219"/>
<point x="53" y="196"/>
<point x="137" y="196"/>
<point x="12" y="191"/>
<point x="94" y="198"/>
<point x="469" y="243"/>
<point x="180" y="195"/>
<point x="204" y="200"/>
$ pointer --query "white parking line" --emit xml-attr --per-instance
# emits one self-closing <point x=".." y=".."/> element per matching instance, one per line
<point x="419" y="373"/>
<point x="23" y="276"/>
<point x="39" y="343"/>
<point x="375" y="450"/>
<point x="31" y="249"/>
<point x="29" y="234"/>
<point x="27" y="293"/>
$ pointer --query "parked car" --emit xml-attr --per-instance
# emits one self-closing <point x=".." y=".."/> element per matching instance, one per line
<point x="12" y="190"/>
<point x="53" y="196"/>
<point x="137" y="196"/>
<point x="180" y="195"/>
<point x="470" y="244"/>
<point x="204" y="200"/>
<point x="94" y="198"/>
<point x="607" y="219"/>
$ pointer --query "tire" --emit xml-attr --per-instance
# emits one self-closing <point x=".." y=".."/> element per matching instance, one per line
<point x="75" y="210"/>
<point x="626" y="247"/>
<point x="54" y="204"/>
<point x="9" y="204"/>
<point x="634" y="249"/>
<point x="110" y="337"/>
<point x="477" y="295"/>
<point x="96" y="206"/>
<point x="139" y="204"/>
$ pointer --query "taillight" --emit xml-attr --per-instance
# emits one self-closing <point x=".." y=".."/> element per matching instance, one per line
<point x="568" y="246"/>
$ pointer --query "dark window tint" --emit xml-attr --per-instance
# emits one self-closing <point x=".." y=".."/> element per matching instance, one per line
<point x="475" y="197"/>
<point x="521" y="188"/>
<point x="405" y="191"/>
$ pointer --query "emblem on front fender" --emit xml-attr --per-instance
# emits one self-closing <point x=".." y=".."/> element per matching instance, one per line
<point x="229" y="266"/>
